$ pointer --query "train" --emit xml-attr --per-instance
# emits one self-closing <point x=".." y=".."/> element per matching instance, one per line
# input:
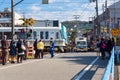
<point x="58" y="33"/>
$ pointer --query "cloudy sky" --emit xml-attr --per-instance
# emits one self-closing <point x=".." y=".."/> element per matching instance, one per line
<point x="56" y="9"/>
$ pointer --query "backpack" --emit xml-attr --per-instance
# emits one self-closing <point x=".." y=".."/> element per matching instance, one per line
<point x="103" y="45"/>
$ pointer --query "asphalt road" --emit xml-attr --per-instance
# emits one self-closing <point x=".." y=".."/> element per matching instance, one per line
<point x="64" y="66"/>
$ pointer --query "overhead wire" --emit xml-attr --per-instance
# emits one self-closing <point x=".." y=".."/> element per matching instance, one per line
<point x="86" y="8"/>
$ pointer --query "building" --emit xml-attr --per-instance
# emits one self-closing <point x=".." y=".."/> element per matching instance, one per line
<point x="110" y="18"/>
<point x="5" y="18"/>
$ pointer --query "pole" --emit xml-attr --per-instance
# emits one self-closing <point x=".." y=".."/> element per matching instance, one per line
<point x="76" y="25"/>
<point x="97" y="23"/>
<point x="12" y="18"/>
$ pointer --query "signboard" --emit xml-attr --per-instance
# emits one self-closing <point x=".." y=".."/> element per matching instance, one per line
<point x="115" y="32"/>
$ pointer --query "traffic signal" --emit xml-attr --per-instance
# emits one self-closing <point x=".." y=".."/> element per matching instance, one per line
<point x="44" y="1"/>
<point x="30" y="30"/>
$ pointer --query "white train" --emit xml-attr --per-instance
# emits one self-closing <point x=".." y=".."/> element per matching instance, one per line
<point x="59" y="35"/>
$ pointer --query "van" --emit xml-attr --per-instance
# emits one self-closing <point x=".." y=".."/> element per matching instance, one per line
<point x="81" y="44"/>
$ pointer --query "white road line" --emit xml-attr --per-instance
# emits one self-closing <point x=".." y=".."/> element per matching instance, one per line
<point x="85" y="70"/>
<point x="19" y="64"/>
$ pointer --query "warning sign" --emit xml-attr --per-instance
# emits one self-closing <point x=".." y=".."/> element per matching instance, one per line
<point x="115" y="32"/>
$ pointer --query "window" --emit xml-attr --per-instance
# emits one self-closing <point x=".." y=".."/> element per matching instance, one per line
<point x="55" y="23"/>
<point x="46" y="35"/>
<point x="41" y="35"/>
<point x="35" y="35"/>
<point x="0" y="35"/>
<point x="57" y="35"/>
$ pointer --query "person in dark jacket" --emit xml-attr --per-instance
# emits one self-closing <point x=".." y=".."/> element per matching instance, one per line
<point x="109" y="46"/>
<point x="35" y="48"/>
<point x="5" y="49"/>
<point x="20" y="51"/>
<point x="12" y="51"/>
<point x="52" y="47"/>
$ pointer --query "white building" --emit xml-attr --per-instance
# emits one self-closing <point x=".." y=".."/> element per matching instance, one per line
<point x="5" y="18"/>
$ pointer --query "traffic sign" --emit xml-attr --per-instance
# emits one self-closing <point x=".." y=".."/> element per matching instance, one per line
<point x="29" y="21"/>
<point x="115" y="32"/>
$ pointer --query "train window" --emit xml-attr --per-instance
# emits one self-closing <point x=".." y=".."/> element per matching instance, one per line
<point x="21" y="35"/>
<point x="35" y="35"/>
<point x="41" y="35"/>
<point x="55" y="23"/>
<point x="46" y="35"/>
<point x="8" y="34"/>
<point x="0" y="35"/>
<point x="57" y="35"/>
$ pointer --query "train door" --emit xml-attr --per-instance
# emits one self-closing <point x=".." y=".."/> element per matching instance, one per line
<point x="52" y="34"/>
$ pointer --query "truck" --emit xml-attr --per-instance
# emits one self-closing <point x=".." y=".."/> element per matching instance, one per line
<point x="81" y="44"/>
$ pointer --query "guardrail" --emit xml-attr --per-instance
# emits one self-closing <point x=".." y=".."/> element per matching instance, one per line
<point x="109" y="72"/>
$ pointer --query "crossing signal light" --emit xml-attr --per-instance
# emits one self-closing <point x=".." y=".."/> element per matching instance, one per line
<point x="31" y="21"/>
<point x="27" y="22"/>
<point x="22" y="31"/>
<point x="30" y="31"/>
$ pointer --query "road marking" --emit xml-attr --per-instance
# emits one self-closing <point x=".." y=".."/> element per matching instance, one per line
<point x="19" y="64"/>
<point x="85" y="70"/>
<point x="14" y="65"/>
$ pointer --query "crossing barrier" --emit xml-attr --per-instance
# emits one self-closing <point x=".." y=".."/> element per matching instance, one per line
<point x="109" y="72"/>
<point x="29" y="52"/>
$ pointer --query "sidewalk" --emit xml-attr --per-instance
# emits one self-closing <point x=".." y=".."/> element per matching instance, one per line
<point x="116" y="72"/>
<point x="96" y="71"/>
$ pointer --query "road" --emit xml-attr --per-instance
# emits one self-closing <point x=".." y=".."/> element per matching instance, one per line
<point x="64" y="66"/>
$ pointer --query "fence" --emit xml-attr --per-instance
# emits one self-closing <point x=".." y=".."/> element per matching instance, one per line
<point x="109" y="72"/>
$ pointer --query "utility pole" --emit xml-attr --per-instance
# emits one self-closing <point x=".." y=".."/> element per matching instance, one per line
<point x="12" y="17"/>
<point x="97" y="24"/>
<point x="76" y="25"/>
<point x="76" y="18"/>
<point x="97" y="20"/>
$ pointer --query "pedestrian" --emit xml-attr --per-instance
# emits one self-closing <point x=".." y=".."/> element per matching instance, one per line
<point x="20" y="51"/>
<point x="35" y="48"/>
<point x="26" y="50"/>
<point x="98" y="47"/>
<point x="109" y="46"/>
<point x="102" y="48"/>
<point x="5" y="49"/>
<point x="51" y="47"/>
<point x="40" y="48"/>
<point x="12" y="51"/>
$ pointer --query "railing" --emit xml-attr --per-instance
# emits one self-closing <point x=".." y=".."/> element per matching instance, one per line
<point x="109" y="72"/>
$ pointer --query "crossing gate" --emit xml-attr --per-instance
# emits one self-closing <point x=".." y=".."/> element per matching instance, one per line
<point x="30" y="52"/>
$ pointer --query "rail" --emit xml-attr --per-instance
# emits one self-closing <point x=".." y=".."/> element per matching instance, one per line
<point x="109" y="72"/>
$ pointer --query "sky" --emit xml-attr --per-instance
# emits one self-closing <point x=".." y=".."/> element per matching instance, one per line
<point x="63" y="10"/>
